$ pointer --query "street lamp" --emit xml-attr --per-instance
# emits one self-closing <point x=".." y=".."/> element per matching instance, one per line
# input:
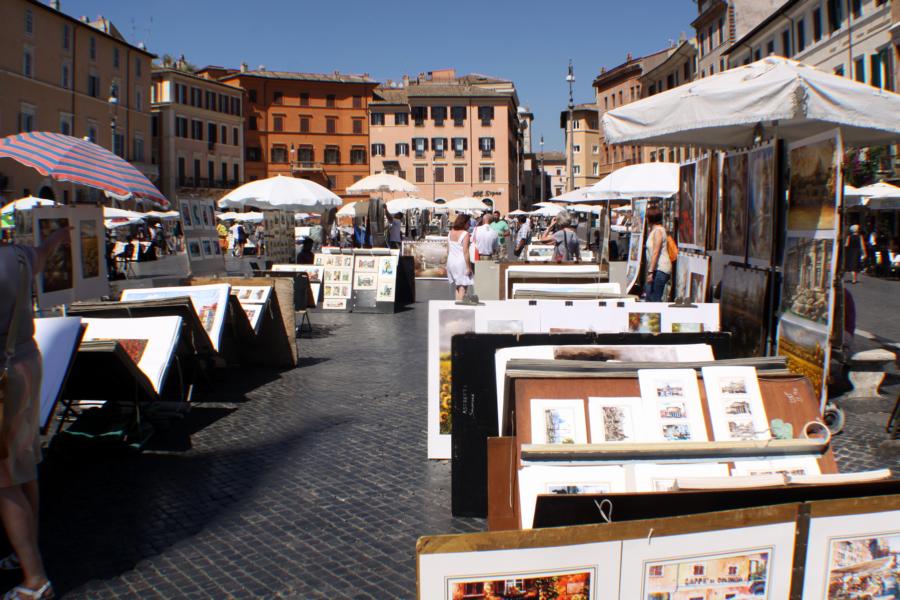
<point x="570" y="78"/>
<point x="541" y="171"/>
<point x="113" y="102"/>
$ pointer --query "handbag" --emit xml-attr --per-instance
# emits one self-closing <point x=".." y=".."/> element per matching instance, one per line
<point x="11" y="337"/>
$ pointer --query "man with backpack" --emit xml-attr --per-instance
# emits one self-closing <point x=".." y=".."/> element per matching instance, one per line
<point x="660" y="250"/>
<point x="238" y="238"/>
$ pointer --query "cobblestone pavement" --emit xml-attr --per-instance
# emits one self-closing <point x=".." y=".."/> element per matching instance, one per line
<point x="310" y="483"/>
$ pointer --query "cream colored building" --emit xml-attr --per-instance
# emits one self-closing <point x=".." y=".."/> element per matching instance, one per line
<point x="852" y="39"/>
<point x="678" y="68"/>
<point x="198" y="132"/>
<point x="554" y="165"/>
<point x="450" y="136"/>
<point x="720" y="22"/>
<point x="59" y="74"/>
<point x="584" y="152"/>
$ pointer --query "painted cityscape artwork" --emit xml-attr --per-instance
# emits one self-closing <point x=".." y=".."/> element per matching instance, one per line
<point x="557" y="585"/>
<point x="740" y="575"/>
<point x="865" y="567"/>
<point x="812" y="186"/>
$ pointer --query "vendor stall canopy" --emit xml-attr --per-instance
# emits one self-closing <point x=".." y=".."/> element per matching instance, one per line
<point x="787" y="99"/>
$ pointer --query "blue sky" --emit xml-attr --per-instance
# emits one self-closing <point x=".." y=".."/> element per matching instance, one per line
<point x="528" y="42"/>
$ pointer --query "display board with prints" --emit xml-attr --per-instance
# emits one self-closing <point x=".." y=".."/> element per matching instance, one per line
<point x="810" y="256"/>
<point x="316" y="274"/>
<point x="77" y="269"/>
<point x="254" y="299"/>
<point x="446" y="319"/>
<point x="635" y="244"/>
<point x="337" y="280"/>
<point x="278" y="229"/>
<point x="201" y="238"/>
<point x="375" y="280"/>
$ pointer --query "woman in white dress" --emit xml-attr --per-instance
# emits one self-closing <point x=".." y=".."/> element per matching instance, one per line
<point x="459" y="267"/>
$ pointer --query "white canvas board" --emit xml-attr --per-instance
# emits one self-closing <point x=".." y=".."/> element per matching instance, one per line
<point x="672" y="405"/>
<point x="441" y="576"/>
<point x="735" y="404"/>
<point x="57" y="339"/>
<point x="564" y="479"/>
<point x="150" y="341"/>
<point x="662" y="478"/>
<point x="508" y="316"/>
<point x="539" y="253"/>
<point x="616" y="420"/>
<point x="791" y="466"/>
<point x="707" y="314"/>
<point x="756" y="560"/>
<point x="849" y="542"/>
<point x="582" y="315"/>
<point x="524" y="272"/>
<point x="567" y="288"/>
<point x="558" y="421"/>
<point x="254" y="314"/>
<point x="252" y="294"/>
<point x="210" y="303"/>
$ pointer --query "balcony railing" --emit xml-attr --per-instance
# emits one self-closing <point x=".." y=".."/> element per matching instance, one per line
<point x="203" y="182"/>
<point x="302" y="165"/>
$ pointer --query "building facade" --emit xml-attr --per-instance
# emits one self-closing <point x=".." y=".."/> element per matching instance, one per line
<point x="616" y="87"/>
<point x="719" y="23"/>
<point x="308" y="125"/>
<point x="679" y="67"/>
<point x="852" y="39"/>
<point x="197" y="134"/>
<point x="895" y="39"/>
<point x="555" y="168"/>
<point x="584" y="152"/>
<point x="71" y="76"/>
<point x="450" y="136"/>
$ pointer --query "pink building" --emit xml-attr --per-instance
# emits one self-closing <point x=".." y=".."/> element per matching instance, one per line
<point x="451" y="136"/>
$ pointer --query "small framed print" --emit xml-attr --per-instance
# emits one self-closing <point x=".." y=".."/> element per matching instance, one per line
<point x="615" y="419"/>
<point x="365" y="281"/>
<point x="558" y="422"/>
<point x="186" y="222"/>
<point x="535" y="480"/>
<point x="334" y="304"/>
<point x="672" y="405"/>
<point x="790" y="467"/>
<point x="206" y="245"/>
<point x="663" y="478"/>
<point x="385" y="292"/>
<point x="194" y="250"/>
<point x="735" y="403"/>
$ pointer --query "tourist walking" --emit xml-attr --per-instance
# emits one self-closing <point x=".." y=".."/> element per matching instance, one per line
<point x="561" y="233"/>
<point x="502" y="228"/>
<point x="855" y="253"/>
<point x="523" y="235"/>
<point x="238" y="239"/>
<point x="20" y="443"/>
<point x="395" y="231"/>
<point x="659" y="265"/>
<point x="485" y="239"/>
<point x="459" y="266"/>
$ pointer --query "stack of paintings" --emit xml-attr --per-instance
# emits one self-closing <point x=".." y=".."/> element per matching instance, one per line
<point x="807" y="295"/>
<point x="744" y="306"/>
<point x="204" y="248"/>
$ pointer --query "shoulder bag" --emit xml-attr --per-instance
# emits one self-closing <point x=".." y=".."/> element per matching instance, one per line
<point x="8" y="352"/>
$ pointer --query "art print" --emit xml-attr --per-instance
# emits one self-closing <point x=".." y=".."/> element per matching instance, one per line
<point x="558" y="422"/>
<point x="664" y="477"/>
<point x="429" y="258"/>
<point x="697" y="287"/>
<point x="206" y="245"/>
<point x="808" y="273"/>
<point x="57" y="275"/>
<point x="535" y="480"/>
<point x="734" y="209"/>
<point x="806" y="347"/>
<point x="615" y="419"/>
<point x="853" y="556"/>
<point x="57" y="339"/>
<point x="682" y="276"/>
<point x="515" y="326"/>
<point x="795" y="466"/>
<point x="744" y="562"/>
<point x="813" y="184"/>
<point x="186" y="221"/>
<point x="365" y="281"/>
<point x="686" y="196"/>
<point x="743" y="306"/>
<point x="761" y="196"/>
<point x="562" y="585"/>
<point x="196" y="217"/>
<point x="450" y="322"/>
<point x="194" y="250"/>
<point x="687" y="328"/>
<point x="671" y="399"/>
<point x="90" y="249"/>
<point x="644" y="322"/>
<point x="366" y="264"/>
<point x="253" y="312"/>
<point x="252" y="294"/>
<point x="334" y="303"/>
<point x="539" y="253"/>
<point x="735" y="403"/>
<point x="385" y="292"/>
<point x="209" y="302"/>
<point x="701" y="201"/>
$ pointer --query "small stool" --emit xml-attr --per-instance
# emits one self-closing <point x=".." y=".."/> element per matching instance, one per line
<point x="304" y="318"/>
<point x="867" y="371"/>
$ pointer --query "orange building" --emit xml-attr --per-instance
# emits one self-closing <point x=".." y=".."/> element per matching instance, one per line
<point x="306" y="125"/>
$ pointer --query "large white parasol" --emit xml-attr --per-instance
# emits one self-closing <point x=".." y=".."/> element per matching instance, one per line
<point x="584" y="194"/>
<point x="404" y="204"/>
<point x="282" y="193"/>
<point x="354" y="209"/>
<point x="26" y="203"/>
<point x="788" y="99"/>
<point x="382" y="182"/>
<point x="466" y="203"/>
<point x="645" y="180"/>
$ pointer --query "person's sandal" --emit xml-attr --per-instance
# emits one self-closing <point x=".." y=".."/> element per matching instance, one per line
<point x="10" y="563"/>
<point x="20" y="592"/>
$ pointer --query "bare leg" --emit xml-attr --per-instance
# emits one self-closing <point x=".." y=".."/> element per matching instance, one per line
<point x="460" y="293"/>
<point x="20" y="522"/>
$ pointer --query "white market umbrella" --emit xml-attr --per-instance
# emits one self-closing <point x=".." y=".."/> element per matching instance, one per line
<point x="120" y="222"/>
<point x="547" y="211"/>
<point x="169" y="214"/>
<point x="789" y="99"/>
<point x="881" y="196"/>
<point x="228" y="216"/>
<point x="382" y="182"/>
<point x="354" y="209"/>
<point x="584" y="194"/>
<point x="301" y="216"/>
<point x="404" y="204"/>
<point x="466" y="203"/>
<point x="586" y="208"/>
<point x="26" y="203"/>
<point x="281" y="193"/>
<point x="120" y="213"/>
<point x="516" y="213"/>
<point x="249" y="217"/>
<point x="644" y="180"/>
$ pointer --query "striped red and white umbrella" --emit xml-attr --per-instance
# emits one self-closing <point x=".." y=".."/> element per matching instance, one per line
<point x="67" y="158"/>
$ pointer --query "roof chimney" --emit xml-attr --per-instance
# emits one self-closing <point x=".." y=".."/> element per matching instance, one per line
<point x="628" y="57"/>
<point x="243" y="67"/>
<point x="405" y="81"/>
<point x="54" y="4"/>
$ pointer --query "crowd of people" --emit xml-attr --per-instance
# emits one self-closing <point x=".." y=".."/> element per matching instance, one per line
<point x="874" y="253"/>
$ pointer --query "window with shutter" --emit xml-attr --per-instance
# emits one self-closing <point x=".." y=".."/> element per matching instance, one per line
<point x="401" y="118"/>
<point x="439" y="115"/>
<point x="402" y="149"/>
<point x="458" y="114"/>
<point x="377" y="118"/>
<point x="486" y="114"/>
<point x="439" y="174"/>
<point x="421" y="146"/>
<point x="357" y="126"/>
<point x="418" y="113"/>
<point x="459" y="175"/>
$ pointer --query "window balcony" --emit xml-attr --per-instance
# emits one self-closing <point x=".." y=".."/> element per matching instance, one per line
<point x="302" y="166"/>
